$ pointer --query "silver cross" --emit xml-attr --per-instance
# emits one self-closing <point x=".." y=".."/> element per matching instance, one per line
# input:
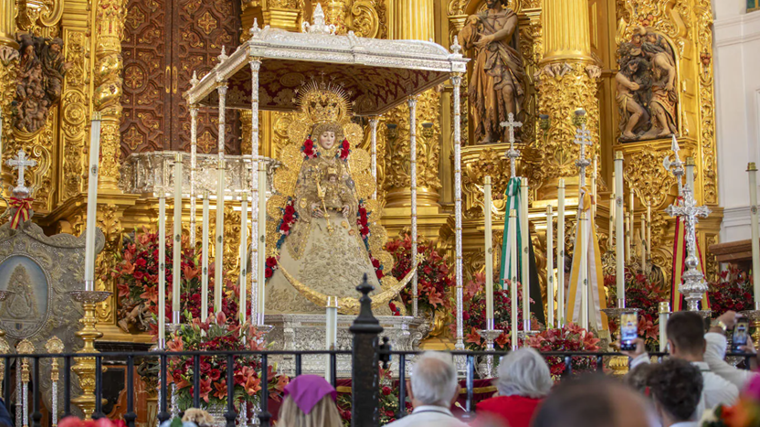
<point x="694" y="285"/>
<point x="583" y="138"/>
<point x="676" y="166"/>
<point x="20" y="163"/>
<point x="512" y="154"/>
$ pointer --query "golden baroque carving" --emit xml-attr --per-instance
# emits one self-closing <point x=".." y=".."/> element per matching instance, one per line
<point x="109" y="221"/>
<point x="428" y="146"/>
<point x="231" y="243"/>
<point x="366" y="21"/>
<point x="644" y="172"/>
<point x="74" y="112"/>
<point x="8" y="70"/>
<point x="563" y="88"/>
<point x="708" y="149"/>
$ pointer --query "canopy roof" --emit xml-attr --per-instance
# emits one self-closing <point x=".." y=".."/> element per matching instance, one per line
<point x="376" y="74"/>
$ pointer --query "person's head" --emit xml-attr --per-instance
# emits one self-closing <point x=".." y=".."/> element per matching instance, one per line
<point x="327" y="134"/>
<point x="637" y="377"/>
<point x="309" y="402"/>
<point x="496" y="4"/>
<point x="593" y="401"/>
<point x="524" y="373"/>
<point x="434" y="380"/>
<point x="685" y="332"/>
<point x="676" y="387"/>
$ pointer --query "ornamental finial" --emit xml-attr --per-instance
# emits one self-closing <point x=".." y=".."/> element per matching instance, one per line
<point x="222" y="56"/>
<point x="319" y="26"/>
<point x="456" y="48"/>
<point x="194" y="81"/>
<point x="255" y="30"/>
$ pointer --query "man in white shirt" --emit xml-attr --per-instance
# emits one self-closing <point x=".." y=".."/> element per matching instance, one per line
<point x="685" y="332"/>
<point x="434" y="388"/>
<point x="675" y="386"/>
<point x="716" y="351"/>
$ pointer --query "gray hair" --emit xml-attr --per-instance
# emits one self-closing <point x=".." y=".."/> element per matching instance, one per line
<point x="434" y="379"/>
<point x="524" y="373"/>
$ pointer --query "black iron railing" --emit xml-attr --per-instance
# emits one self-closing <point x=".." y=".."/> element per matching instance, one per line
<point x="367" y="355"/>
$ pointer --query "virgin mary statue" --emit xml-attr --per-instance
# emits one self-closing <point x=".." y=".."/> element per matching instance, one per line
<point x="325" y="242"/>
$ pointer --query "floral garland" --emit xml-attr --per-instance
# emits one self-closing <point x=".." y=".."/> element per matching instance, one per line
<point x="308" y="149"/>
<point x="434" y="277"/>
<point x="571" y="338"/>
<point x="289" y="217"/>
<point x="136" y="275"/>
<point x="641" y="294"/>
<point x="732" y="291"/>
<point x="362" y="223"/>
<point x="474" y="314"/>
<point x="215" y="334"/>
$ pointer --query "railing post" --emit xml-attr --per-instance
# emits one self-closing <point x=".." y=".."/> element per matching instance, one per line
<point x="364" y="376"/>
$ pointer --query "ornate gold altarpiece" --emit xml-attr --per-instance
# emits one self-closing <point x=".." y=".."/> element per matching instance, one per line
<point x="569" y="48"/>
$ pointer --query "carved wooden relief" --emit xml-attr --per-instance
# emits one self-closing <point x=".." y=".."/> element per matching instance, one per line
<point x="165" y="41"/>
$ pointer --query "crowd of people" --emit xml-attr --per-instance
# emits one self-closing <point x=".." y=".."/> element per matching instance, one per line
<point x="681" y="391"/>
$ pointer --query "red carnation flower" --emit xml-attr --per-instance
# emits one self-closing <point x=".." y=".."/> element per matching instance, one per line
<point x="289" y="210"/>
<point x="271" y="262"/>
<point x="386" y="390"/>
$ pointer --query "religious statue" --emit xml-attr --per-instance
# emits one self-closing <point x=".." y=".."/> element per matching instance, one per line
<point x="498" y="74"/>
<point x="646" y="87"/>
<point x="323" y="230"/>
<point x="21" y="304"/>
<point x="40" y="80"/>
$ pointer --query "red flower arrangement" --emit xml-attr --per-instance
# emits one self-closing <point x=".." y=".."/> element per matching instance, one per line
<point x="433" y="273"/>
<point x="345" y="150"/>
<point x="136" y="274"/>
<point x="216" y="333"/>
<point x="744" y="413"/>
<point x="308" y="149"/>
<point x="641" y="294"/>
<point x="571" y="338"/>
<point x="732" y="291"/>
<point x="474" y="315"/>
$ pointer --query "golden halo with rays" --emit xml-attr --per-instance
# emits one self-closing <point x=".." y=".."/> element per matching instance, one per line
<point x="324" y="102"/>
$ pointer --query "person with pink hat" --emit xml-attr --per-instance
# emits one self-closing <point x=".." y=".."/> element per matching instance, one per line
<point x="310" y="401"/>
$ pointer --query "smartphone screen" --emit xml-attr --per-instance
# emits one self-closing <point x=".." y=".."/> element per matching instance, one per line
<point x="629" y="330"/>
<point x="741" y="333"/>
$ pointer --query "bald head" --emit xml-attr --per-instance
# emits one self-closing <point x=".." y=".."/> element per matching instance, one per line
<point x="593" y="401"/>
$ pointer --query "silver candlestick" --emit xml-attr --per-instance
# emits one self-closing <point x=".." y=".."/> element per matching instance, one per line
<point x="490" y="335"/>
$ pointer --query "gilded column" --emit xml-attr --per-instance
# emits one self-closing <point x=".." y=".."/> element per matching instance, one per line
<point x="568" y="81"/>
<point x="109" y="30"/>
<point x="413" y="19"/>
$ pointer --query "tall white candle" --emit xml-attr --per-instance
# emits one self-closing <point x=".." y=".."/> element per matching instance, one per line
<point x="628" y="237"/>
<point x="488" y="252"/>
<point x="611" y="225"/>
<point x="649" y="229"/>
<point x="262" y="240"/>
<point x="583" y="274"/>
<point x="549" y="267"/>
<point x="204" y="248"/>
<point x="643" y="243"/>
<point x="243" y="253"/>
<point x="690" y="175"/>
<point x="513" y="278"/>
<point x="525" y="251"/>
<point x="619" y="229"/>
<point x="752" y="171"/>
<point x="219" y="240"/>
<point x="594" y="190"/>
<point x="161" y="269"/>
<point x="331" y="332"/>
<point x="177" y="258"/>
<point x="561" y="253"/>
<point x="664" y="311"/>
<point x="92" y="204"/>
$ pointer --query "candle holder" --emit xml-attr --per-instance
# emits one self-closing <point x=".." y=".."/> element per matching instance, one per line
<point x="486" y="368"/>
<point x="85" y="366"/>
<point x="754" y="318"/>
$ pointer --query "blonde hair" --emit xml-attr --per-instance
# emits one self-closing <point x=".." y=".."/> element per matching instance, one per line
<point x="321" y="128"/>
<point x="200" y="417"/>
<point x="323" y="414"/>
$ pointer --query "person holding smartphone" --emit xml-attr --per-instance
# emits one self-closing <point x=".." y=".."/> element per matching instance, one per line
<point x="717" y="344"/>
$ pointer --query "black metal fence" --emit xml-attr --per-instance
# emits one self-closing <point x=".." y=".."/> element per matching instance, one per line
<point x="366" y="356"/>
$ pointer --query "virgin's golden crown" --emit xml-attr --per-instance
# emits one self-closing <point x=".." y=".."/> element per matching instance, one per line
<point x="324" y="102"/>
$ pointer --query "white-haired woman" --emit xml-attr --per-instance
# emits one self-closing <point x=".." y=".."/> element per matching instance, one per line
<point x="523" y="382"/>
